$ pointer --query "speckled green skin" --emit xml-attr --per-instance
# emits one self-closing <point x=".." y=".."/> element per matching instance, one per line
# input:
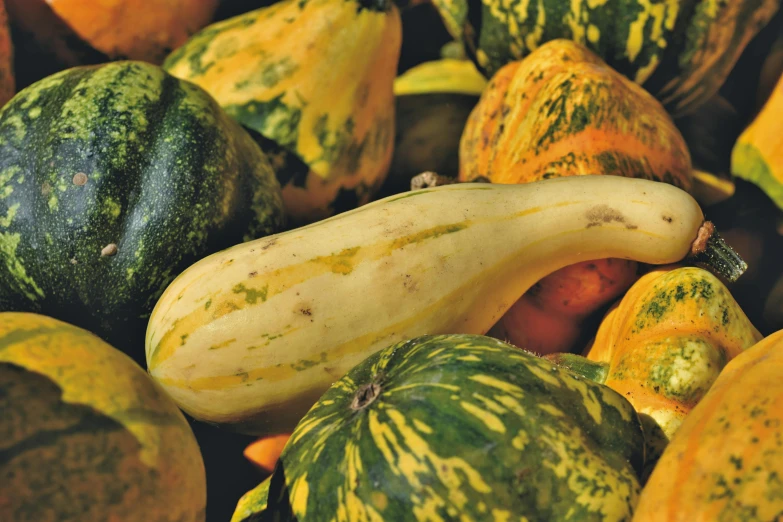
<point x="121" y="154"/>
<point x="461" y="426"/>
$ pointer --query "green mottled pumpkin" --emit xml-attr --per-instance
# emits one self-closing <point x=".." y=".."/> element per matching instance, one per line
<point x="313" y="80"/>
<point x="465" y="427"/>
<point x="87" y="435"/>
<point x="113" y="179"/>
<point x="680" y="50"/>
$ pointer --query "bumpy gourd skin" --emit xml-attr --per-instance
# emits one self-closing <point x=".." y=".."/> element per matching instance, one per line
<point x="680" y="50"/>
<point x="665" y="344"/>
<point x="726" y="460"/>
<point x="113" y="179"/>
<point x="443" y="427"/>
<point x="313" y="79"/>
<point x="87" y="435"/>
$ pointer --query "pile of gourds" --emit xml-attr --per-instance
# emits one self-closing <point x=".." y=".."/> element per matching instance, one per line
<point x="471" y="272"/>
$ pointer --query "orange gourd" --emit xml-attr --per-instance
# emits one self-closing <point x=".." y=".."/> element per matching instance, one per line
<point x="665" y="343"/>
<point x="563" y="112"/>
<point x="548" y="318"/>
<point x="726" y="460"/>
<point x="119" y="29"/>
<point x="265" y="451"/>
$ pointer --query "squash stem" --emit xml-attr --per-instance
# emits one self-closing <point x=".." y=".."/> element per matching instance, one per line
<point x="710" y="250"/>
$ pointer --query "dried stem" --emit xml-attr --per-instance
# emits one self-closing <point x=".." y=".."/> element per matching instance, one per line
<point x="710" y="250"/>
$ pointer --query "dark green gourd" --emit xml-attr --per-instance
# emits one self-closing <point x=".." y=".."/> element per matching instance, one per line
<point x="113" y="179"/>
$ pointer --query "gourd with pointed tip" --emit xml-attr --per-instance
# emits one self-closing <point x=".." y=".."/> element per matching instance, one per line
<point x="312" y="80"/>
<point x="664" y="344"/>
<point x="726" y="460"/>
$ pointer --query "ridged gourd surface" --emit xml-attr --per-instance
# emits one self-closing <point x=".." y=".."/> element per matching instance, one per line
<point x="681" y="50"/>
<point x="462" y="426"/>
<point x="113" y="179"/>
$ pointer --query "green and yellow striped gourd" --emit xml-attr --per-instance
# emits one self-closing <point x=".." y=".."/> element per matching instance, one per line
<point x="313" y="80"/>
<point x="680" y="50"/>
<point x="461" y="427"/>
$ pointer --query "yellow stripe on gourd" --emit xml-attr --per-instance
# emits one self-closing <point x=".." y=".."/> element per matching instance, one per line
<point x="574" y="20"/>
<point x="591" y="402"/>
<point x="490" y="420"/>
<point x="493" y="382"/>
<point x="661" y="15"/>
<point x="300" y="490"/>
<point x="587" y="474"/>
<point x="511" y="403"/>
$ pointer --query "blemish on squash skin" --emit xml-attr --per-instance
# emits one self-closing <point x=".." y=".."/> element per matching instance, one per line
<point x="252" y="295"/>
<point x="601" y="214"/>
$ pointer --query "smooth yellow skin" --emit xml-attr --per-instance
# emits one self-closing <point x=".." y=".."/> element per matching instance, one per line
<point x="252" y="336"/>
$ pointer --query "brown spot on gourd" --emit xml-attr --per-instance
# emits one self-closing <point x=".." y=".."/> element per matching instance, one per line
<point x="667" y="218"/>
<point x="269" y="243"/>
<point x="80" y="179"/>
<point x="601" y="214"/>
<point x="306" y="311"/>
<point x="109" y="250"/>
<point x="46" y="189"/>
<point x="253" y="273"/>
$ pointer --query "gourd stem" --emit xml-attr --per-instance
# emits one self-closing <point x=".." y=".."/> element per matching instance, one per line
<point x="710" y="250"/>
<point x="591" y="370"/>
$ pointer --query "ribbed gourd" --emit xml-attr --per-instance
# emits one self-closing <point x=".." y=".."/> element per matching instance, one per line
<point x="313" y="80"/>
<point x="113" y="179"/>
<point x="726" y="460"/>
<point x="465" y="427"/>
<point x="663" y="345"/>
<point x="680" y="50"/>
<point x="87" y="434"/>
<point x="562" y="111"/>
